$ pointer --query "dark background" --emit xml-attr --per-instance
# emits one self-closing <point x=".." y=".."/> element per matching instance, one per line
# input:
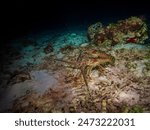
<point x="20" y="17"/>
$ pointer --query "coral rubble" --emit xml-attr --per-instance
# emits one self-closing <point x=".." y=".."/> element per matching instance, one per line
<point x="88" y="77"/>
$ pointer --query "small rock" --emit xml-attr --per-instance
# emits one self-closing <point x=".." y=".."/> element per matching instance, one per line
<point x="48" y="49"/>
<point x="84" y="44"/>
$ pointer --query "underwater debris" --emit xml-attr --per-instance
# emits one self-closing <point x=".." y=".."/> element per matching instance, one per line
<point x="131" y="30"/>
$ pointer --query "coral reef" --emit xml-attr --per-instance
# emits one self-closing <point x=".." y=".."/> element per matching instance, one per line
<point x="131" y="30"/>
<point x="93" y="29"/>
